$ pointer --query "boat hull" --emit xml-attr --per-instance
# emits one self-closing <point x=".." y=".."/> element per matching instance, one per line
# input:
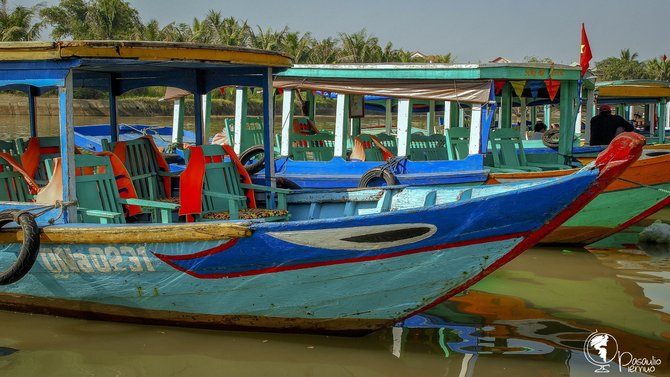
<point x="280" y="276"/>
<point x="621" y="205"/>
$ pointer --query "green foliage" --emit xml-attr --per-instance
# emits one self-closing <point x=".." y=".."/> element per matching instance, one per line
<point x="18" y="24"/>
<point x="625" y="67"/>
<point x="93" y="19"/>
<point x="658" y="69"/>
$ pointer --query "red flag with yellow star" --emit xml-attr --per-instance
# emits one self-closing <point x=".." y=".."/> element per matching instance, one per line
<point x="585" y="53"/>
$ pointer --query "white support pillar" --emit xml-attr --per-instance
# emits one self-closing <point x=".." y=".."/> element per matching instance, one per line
<point x="578" y="123"/>
<point x="461" y="117"/>
<point x="447" y="115"/>
<point x="475" y="130"/>
<point x="590" y="109"/>
<point x="430" y="121"/>
<point x="631" y="111"/>
<point x="547" y="115"/>
<point x="522" y="120"/>
<point x="206" y="117"/>
<point x="178" y="121"/>
<point x="389" y="117"/>
<point x="286" y="121"/>
<point x="241" y="97"/>
<point x="341" y="125"/>
<point x="404" y="126"/>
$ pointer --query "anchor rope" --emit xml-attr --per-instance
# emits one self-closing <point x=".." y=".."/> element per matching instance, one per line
<point x="644" y="185"/>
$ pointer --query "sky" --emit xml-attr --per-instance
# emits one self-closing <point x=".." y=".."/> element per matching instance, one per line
<point x="472" y="31"/>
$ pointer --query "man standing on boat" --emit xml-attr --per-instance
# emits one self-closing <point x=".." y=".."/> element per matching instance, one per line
<point x="605" y="126"/>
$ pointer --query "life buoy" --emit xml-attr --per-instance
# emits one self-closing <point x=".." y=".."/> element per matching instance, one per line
<point x="378" y="177"/>
<point x="29" y="247"/>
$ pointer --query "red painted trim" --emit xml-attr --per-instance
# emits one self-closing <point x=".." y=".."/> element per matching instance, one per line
<point x="612" y="162"/>
<point x="650" y="211"/>
<point x="215" y="250"/>
<point x="339" y="261"/>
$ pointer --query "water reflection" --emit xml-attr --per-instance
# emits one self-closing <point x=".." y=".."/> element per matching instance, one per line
<point x="528" y="319"/>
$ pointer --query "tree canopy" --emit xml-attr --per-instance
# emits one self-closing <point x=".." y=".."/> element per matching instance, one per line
<point x="117" y="19"/>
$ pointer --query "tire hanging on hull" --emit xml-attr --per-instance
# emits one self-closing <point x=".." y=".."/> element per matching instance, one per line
<point x="29" y="247"/>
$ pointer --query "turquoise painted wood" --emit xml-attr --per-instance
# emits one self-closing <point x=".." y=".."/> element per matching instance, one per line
<point x="458" y="140"/>
<point x="98" y="195"/>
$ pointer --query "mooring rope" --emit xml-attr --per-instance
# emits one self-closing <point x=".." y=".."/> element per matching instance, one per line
<point x="644" y="185"/>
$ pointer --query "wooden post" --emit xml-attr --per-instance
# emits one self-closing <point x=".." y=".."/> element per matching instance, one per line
<point x="590" y="107"/>
<point x="568" y="109"/>
<point x="476" y="144"/>
<point x="404" y="126"/>
<point x="355" y="126"/>
<point x="268" y="131"/>
<point x="206" y="116"/>
<point x="506" y="106"/>
<point x="32" y="110"/>
<point x="522" y="120"/>
<point x="652" y="119"/>
<point x="66" y="120"/>
<point x="533" y="115"/>
<point x="430" y="122"/>
<point x="663" y="120"/>
<point x="178" y="121"/>
<point x="311" y="111"/>
<point x="388" y="120"/>
<point x="241" y="99"/>
<point x="447" y="115"/>
<point x="547" y="115"/>
<point x="646" y="114"/>
<point x="286" y="121"/>
<point x="341" y="125"/>
<point x="461" y="117"/>
<point x="113" y="120"/>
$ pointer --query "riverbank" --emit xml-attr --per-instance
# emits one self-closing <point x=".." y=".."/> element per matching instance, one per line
<point x="17" y="105"/>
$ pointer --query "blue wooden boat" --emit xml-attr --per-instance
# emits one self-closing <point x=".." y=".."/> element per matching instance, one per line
<point x="334" y="261"/>
<point x="91" y="136"/>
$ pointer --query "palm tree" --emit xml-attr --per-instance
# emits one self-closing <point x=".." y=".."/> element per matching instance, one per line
<point x="298" y="46"/>
<point x="658" y="69"/>
<point x="96" y="19"/>
<point x="268" y="39"/>
<point x="18" y="25"/>
<point x="360" y="47"/>
<point x="227" y="31"/>
<point x="625" y="67"/>
<point x="324" y="52"/>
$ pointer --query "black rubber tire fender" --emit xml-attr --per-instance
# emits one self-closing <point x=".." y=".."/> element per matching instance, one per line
<point x="247" y="155"/>
<point x="30" y="247"/>
<point x="550" y="138"/>
<point x="287" y="184"/>
<point x="375" y="173"/>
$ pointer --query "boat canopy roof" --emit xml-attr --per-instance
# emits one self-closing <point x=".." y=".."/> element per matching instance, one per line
<point x="632" y="90"/>
<point x="132" y="64"/>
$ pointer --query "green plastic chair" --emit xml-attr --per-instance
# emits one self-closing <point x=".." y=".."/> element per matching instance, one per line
<point x="319" y="147"/>
<point x="458" y="142"/>
<point x="142" y="165"/>
<point x="509" y="156"/>
<point x="389" y="142"/>
<point x="13" y="186"/>
<point x="41" y="175"/>
<point x="223" y="195"/>
<point x="372" y="152"/>
<point x="98" y="195"/>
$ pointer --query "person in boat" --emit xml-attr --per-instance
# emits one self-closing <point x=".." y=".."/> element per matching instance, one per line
<point x="539" y="129"/>
<point x="605" y="126"/>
